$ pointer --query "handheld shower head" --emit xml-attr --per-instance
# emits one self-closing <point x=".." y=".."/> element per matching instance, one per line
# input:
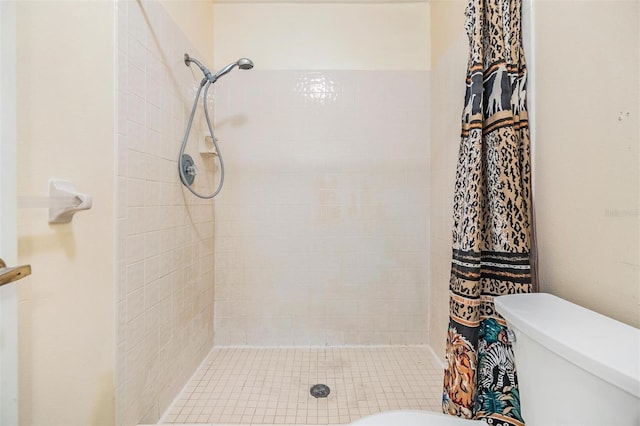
<point x="242" y="63"/>
<point x="186" y="168"/>
<point x="245" y="63"/>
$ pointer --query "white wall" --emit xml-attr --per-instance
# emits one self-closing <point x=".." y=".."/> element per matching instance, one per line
<point x="8" y="215"/>
<point x="321" y="229"/>
<point x="329" y="36"/>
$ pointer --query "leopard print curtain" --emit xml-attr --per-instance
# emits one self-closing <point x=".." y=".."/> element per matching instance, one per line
<point x="492" y="218"/>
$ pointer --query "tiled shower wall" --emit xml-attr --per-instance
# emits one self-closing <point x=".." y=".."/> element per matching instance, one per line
<point x="165" y="235"/>
<point x="321" y="228"/>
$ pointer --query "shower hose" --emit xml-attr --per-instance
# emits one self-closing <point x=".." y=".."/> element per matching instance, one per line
<point x="205" y="83"/>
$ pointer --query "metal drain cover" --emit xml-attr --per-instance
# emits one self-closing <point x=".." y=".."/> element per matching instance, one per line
<point x="320" y="391"/>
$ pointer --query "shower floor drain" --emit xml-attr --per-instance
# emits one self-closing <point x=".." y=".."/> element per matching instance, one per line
<point x="320" y="391"/>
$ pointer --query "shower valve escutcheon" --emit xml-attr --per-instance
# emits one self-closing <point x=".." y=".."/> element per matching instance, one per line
<point x="189" y="170"/>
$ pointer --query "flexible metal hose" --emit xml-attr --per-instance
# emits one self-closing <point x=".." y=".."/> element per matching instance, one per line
<point x="204" y="83"/>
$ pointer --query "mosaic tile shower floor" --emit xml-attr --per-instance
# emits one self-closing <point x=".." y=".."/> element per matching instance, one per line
<point x="259" y="386"/>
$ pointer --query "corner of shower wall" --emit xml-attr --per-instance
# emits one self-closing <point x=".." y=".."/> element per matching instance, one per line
<point x="447" y="80"/>
<point x="164" y="246"/>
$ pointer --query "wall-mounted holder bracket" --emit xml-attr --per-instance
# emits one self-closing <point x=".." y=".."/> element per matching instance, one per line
<point x="77" y="201"/>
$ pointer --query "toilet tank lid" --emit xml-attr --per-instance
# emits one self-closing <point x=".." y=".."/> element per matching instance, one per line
<point x="601" y="345"/>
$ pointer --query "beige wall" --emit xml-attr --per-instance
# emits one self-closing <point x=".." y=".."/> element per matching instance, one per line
<point x="586" y="153"/>
<point x="70" y="355"/>
<point x="449" y="56"/>
<point x="194" y="17"/>
<point x="324" y="36"/>
<point x="65" y="113"/>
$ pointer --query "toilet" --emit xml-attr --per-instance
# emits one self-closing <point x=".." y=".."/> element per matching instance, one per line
<point x="575" y="367"/>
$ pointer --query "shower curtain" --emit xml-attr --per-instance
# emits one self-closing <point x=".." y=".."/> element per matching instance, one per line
<point x="492" y="218"/>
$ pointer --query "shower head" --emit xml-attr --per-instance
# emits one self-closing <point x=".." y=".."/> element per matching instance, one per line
<point x="242" y="63"/>
<point x="245" y="63"/>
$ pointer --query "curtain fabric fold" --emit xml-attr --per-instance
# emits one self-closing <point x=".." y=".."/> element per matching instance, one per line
<point x="492" y="218"/>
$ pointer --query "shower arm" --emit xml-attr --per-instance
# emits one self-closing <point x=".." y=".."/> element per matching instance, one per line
<point x="207" y="74"/>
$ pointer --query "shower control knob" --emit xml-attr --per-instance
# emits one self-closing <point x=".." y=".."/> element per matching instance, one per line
<point x="188" y="169"/>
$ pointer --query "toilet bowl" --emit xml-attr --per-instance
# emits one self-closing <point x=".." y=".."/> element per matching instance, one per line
<point x="575" y="367"/>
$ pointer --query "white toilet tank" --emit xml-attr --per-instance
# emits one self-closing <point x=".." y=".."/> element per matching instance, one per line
<point x="575" y="366"/>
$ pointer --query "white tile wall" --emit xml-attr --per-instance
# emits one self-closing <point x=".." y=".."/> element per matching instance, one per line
<point x="321" y="230"/>
<point x="165" y="235"/>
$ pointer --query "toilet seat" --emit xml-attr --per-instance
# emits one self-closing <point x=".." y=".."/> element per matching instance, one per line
<point x="414" y="418"/>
